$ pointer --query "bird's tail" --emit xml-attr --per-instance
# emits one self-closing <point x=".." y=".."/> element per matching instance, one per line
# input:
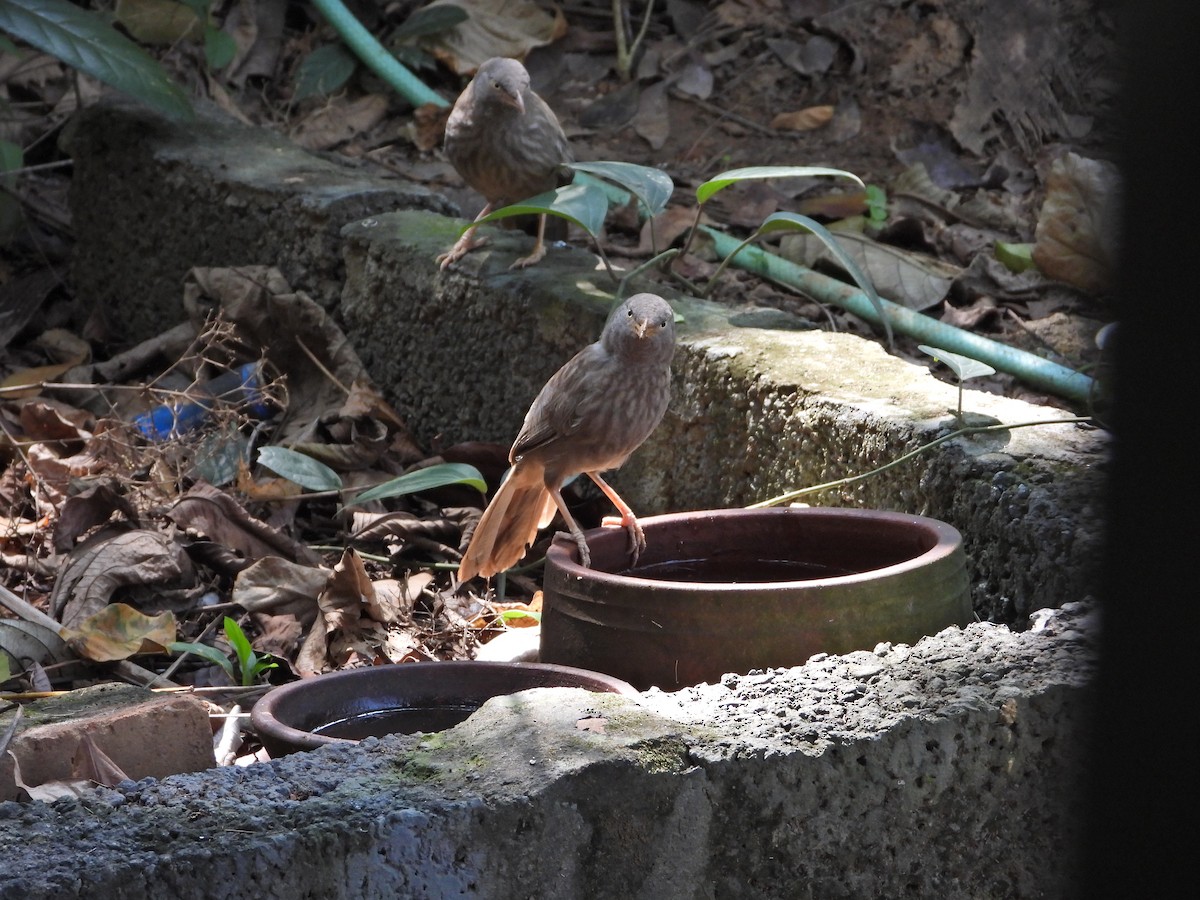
<point x="509" y="525"/>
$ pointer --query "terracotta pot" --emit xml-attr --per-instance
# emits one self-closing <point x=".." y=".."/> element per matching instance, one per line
<point x="344" y="707"/>
<point x="734" y="590"/>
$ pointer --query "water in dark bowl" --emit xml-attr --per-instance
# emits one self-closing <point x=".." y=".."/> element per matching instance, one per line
<point x="735" y="568"/>
<point x="405" y="720"/>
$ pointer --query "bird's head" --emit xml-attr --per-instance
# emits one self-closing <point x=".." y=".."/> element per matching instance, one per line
<point x="504" y="81"/>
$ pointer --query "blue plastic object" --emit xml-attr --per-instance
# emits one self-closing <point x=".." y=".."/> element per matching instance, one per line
<point x="241" y="387"/>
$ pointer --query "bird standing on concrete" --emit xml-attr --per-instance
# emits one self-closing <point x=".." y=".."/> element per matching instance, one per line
<point x="590" y="416"/>
<point x="507" y="144"/>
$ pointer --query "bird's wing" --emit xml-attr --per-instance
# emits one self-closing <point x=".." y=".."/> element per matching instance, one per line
<point x="553" y="414"/>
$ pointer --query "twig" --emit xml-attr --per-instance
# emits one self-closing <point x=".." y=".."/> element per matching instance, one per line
<point x="971" y="429"/>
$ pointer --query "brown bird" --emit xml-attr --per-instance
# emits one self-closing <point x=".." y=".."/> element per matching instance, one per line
<point x="593" y="412"/>
<point x="507" y="144"/>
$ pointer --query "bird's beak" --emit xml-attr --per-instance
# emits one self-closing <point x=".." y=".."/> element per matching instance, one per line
<point x="640" y="327"/>
<point x="517" y="102"/>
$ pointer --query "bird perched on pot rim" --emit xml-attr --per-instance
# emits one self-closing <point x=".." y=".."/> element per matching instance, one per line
<point x="590" y="416"/>
<point x="507" y="144"/>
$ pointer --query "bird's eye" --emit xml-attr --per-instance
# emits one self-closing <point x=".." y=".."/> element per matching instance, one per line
<point x="629" y="313"/>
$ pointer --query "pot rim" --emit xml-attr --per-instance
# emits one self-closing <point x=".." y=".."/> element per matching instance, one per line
<point x="264" y="715"/>
<point x="563" y="554"/>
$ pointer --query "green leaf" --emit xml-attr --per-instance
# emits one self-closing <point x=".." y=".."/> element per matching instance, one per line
<point x="11" y="157"/>
<point x="582" y="204"/>
<point x="962" y="366"/>
<point x="219" y="48"/>
<point x="84" y="40"/>
<point x="159" y="22"/>
<point x="303" y="470"/>
<point x="424" y="480"/>
<point x="652" y="187"/>
<point x="237" y="637"/>
<point x="788" y="221"/>
<point x="1015" y="257"/>
<point x="430" y="20"/>
<point x="733" y="176"/>
<point x="205" y="652"/>
<point x="324" y="71"/>
<point x="508" y="614"/>
<point x="877" y="210"/>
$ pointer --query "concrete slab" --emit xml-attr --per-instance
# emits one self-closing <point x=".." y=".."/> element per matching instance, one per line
<point x="945" y="769"/>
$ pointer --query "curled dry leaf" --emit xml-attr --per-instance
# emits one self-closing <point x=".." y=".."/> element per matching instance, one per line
<point x="219" y="517"/>
<point x="115" y="558"/>
<point x="493" y="28"/>
<point x="90" y="507"/>
<point x="803" y="119"/>
<point x="280" y="586"/>
<point x="1076" y="231"/>
<point x="393" y="600"/>
<point x="340" y="121"/>
<point x="346" y="593"/>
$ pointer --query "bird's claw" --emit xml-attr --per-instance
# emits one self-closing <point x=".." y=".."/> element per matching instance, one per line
<point x="459" y="250"/>
<point x="637" y="537"/>
<point x="526" y="261"/>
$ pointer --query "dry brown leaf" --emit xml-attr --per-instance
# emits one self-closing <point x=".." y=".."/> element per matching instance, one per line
<point x="1076" y="230"/>
<point x="915" y="280"/>
<point x="115" y="558"/>
<point x="28" y="382"/>
<point x="493" y="28"/>
<point x="312" y="658"/>
<point x="803" y="119"/>
<point x="93" y="764"/>
<point x="365" y="400"/>
<point x="668" y="225"/>
<point x="340" y="121"/>
<point x="265" y="488"/>
<point x="219" y="517"/>
<point x="51" y="790"/>
<point x="652" y="122"/>
<point x="92" y="506"/>
<point x="347" y="593"/>
<point x="118" y="632"/>
<point x="393" y="599"/>
<point x="46" y="419"/>
<point x="280" y="586"/>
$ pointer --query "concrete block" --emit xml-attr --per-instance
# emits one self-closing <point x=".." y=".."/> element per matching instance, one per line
<point x="152" y="198"/>
<point x="145" y="734"/>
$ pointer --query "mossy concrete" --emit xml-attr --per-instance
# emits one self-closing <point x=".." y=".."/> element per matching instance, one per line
<point x="152" y="198"/>
<point x="946" y="769"/>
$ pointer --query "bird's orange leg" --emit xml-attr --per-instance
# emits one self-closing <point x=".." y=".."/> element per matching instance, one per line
<point x="539" y="248"/>
<point x="628" y="521"/>
<point x="466" y="243"/>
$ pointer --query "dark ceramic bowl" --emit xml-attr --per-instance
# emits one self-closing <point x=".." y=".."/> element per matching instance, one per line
<point x="733" y="590"/>
<point x="344" y="707"/>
